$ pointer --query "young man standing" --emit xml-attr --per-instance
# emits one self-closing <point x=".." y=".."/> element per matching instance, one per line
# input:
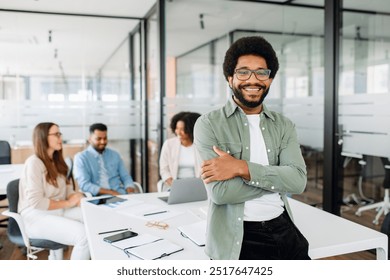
<point x="252" y="159"/>
<point x="100" y="170"/>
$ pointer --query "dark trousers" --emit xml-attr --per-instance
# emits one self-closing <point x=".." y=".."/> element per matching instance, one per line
<point x="277" y="239"/>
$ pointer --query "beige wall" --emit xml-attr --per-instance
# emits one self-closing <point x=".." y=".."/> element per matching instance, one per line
<point x="20" y="154"/>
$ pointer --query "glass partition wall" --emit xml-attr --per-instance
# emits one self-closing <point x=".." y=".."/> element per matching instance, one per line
<point x="152" y="121"/>
<point x="364" y="100"/>
<point x="58" y="68"/>
<point x="198" y="34"/>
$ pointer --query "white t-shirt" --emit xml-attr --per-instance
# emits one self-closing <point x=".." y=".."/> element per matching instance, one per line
<point x="268" y="206"/>
<point x="186" y="167"/>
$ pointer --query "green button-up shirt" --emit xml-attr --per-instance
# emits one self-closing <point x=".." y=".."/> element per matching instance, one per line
<point x="228" y="129"/>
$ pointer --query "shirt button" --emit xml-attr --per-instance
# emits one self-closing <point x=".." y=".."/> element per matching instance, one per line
<point x="239" y="219"/>
<point x="228" y="151"/>
<point x="273" y="187"/>
<point x="238" y="243"/>
<point x="246" y="148"/>
<point x="253" y="182"/>
<point x="245" y="124"/>
<point x="257" y="183"/>
<point x="269" y="150"/>
<point x="263" y="128"/>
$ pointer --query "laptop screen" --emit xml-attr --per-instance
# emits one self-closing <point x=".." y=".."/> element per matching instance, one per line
<point x="186" y="190"/>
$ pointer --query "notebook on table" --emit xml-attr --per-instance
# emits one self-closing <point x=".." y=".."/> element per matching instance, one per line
<point x="139" y="240"/>
<point x="196" y="232"/>
<point x="186" y="190"/>
<point x="156" y="250"/>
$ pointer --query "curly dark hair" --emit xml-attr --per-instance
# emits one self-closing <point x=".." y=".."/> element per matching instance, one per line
<point x="189" y="119"/>
<point x="255" y="45"/>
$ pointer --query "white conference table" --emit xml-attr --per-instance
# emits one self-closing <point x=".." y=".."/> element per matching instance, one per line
<point x="328" y="234"/>
<point x="99" y="218"/>
<point x="9" y="172"/>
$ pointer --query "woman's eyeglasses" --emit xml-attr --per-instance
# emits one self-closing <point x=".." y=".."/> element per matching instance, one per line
<point x="57" y="134"/>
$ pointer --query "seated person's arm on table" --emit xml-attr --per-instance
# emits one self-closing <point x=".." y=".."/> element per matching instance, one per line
<point x="34" y="183"/>
<point x="38" y="200"/>
<point x="103" y="191"/>
<point x="71" y="201"/>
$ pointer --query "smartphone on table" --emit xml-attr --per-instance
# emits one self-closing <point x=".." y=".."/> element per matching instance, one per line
<point x="120" y="236"/>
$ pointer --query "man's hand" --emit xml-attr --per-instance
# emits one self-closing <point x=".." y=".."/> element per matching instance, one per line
<point x="130" y="190"/>
<point x="103" y="191"/>
<point x="223" y="167"/>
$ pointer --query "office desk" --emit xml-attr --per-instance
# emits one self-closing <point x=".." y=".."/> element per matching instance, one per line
<point x="328" y="234"/>
<point x="9" y="172"/>
<point x="100" y="219"/>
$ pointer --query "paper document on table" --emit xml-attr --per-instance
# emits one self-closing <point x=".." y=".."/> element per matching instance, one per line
<point x="149" y="212"/>
<point x="129" y="204"/>
<point x="204" y="210"/>
<point x="198" y="213"/>
<point x="155" y="250"/>
<point x="139" y="240"/>
<point x="196" y="232"/>
<point x="139" y="209"/>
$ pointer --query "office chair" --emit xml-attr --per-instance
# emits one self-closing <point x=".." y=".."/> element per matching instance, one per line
<point x="5" y="152"/>
<point x="138" y="187"/>
<point x="5" y="158"/>
<point x="69" y="175"/>
<point x="17" y="233"/>
<point x="160" y="185"/>
<point x="359" y="199"/>
<point x="384" y="206"/>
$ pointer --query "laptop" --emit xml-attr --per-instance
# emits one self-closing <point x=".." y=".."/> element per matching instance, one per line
<point x="186" y="190"/>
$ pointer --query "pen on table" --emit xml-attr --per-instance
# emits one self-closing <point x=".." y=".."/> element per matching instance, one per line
<point x="155" y="213"/>
<point x="111" y="231"/>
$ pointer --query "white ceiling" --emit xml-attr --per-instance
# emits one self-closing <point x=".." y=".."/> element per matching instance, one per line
<point x="83" y="44"/>
<point x="126" y="8"/>
<point x="219" y="19"/>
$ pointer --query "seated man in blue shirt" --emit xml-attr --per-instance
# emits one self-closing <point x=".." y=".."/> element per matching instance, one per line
<point x="100" y="170"/>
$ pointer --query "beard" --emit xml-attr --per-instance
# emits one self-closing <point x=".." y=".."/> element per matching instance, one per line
<point x="237" y="91"/>
<point x="98" y="148"/>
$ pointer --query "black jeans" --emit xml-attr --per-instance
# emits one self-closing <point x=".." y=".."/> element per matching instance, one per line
<point x="277" y="239"/>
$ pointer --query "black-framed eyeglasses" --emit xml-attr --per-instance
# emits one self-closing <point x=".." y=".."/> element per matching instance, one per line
<point x="57" y="134"/>
<point x="245" y="74"/>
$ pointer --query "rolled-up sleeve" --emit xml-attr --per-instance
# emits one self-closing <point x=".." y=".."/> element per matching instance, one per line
<point x="232" y="191"/>
<point x="289" y="176"/>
